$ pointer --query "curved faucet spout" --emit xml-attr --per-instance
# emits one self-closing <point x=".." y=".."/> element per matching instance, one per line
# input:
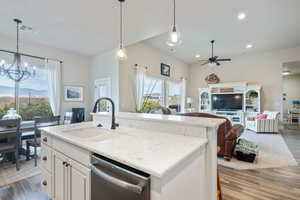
<point x="113" y="118"/>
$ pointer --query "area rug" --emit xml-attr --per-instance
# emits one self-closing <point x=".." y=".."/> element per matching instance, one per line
<point x="274" y="153"/>
<point x="9" y="174"/>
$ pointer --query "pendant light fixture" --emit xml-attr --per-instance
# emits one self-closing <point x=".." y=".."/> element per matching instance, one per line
<point x="174" y="35"/>
<point x="17" y="71"/>
<point x="121" y="53"/>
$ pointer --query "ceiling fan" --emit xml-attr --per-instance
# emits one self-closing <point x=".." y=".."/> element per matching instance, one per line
<point x="214" y="59"/>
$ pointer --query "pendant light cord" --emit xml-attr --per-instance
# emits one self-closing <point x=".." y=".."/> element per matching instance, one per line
<point x="121" y="25"/>
<point x="174" y="12"/>
<point x="17" y="37"/>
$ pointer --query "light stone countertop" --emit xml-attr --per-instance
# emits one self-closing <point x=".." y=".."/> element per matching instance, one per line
<point x="175" y="119"/>
<point x="153" y="152"/>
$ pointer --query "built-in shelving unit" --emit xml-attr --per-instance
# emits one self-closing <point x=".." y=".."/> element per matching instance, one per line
<point x="251" y="100"/>
<point x="204" y="97"/>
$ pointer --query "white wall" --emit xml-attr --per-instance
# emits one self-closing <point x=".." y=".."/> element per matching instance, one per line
<point x="291" y="86"/>
<point x="105" y="65"/>
<point x="145" y="55"/>
<point x="261" y="68"/>
<point x="74" y="67"/>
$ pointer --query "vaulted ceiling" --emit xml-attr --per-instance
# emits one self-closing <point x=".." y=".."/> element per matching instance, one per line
<point x="91" y="27"/>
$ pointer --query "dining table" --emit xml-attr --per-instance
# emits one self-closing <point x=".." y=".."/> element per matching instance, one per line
<point x="27" y="132"/>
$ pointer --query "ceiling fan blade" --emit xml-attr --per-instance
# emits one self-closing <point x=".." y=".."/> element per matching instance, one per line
<point x="224" y="59"/>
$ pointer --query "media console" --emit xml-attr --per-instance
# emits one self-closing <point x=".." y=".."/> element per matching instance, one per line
<point x="236" y="117"/>
<point x="234" y="101"/>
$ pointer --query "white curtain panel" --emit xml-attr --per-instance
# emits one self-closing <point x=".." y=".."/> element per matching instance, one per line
<point x="183" y="96"/>
<point x="140" y="78"/>
<point x="54" y="85"/>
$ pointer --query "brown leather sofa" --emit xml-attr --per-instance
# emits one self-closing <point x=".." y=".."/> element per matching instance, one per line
<point x="227" y="134"/>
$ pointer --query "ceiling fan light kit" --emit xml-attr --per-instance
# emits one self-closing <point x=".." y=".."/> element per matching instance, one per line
<point x="214" y="60"/>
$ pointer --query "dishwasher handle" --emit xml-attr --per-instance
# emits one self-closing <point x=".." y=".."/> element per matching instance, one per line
<point x="123" y="184"/>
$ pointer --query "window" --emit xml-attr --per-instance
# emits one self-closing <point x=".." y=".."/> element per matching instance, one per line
<point x="159" y="92"/>
<point x="152" y="93"/>
<point x="174" y="95"/>
<point x="7" y="93"/>
<point x="33" y="93"/>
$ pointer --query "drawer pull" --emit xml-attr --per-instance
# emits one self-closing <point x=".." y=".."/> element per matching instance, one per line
<point x="45" y="139"/>
<point x="45" y="158"/>
<point x="44" y="183"/>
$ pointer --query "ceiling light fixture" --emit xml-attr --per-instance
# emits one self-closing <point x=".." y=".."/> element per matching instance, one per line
<point x="121" y="53"/>
<point x="249" y="46"/>
<point x="241" y="16"/>
<point x="16" y="71"/>
<point x="197" y="56"/>
<point x="174" y="38"/>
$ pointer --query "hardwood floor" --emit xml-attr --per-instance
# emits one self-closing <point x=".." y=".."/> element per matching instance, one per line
<point x="265" y="184"/>
<point x="262" y="184"/>
<point x="27" y="189"/>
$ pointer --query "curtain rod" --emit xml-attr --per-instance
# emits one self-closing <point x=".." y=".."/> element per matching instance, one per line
<point x="37" y="57"/>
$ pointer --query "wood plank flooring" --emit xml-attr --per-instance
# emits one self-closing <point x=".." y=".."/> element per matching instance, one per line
<point x="265" y="184"/>
<point x="262" y="184"/>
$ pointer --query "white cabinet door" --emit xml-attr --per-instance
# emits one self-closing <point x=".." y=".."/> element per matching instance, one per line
<point x="60" y="177"/>
<point x="79" y="182"/>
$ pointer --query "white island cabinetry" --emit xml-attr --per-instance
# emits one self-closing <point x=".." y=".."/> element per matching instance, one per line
<point x="179" y="154"/>
<point x="63" y="177"/>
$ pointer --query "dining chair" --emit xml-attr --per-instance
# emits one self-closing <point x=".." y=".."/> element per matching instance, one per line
<point x="10" y="134"/>
<point x="36" y="141"/>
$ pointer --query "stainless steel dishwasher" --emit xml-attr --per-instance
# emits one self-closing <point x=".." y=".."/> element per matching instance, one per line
<point x="115" y="181"/>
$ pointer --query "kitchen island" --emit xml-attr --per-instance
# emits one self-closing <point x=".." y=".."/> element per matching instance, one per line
<point x="178" y="153"/>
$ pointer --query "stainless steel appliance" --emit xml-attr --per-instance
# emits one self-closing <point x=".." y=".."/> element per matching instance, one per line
<point x="115" y="181"/>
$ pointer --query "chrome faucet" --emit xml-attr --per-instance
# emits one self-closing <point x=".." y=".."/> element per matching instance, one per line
<point x="113" y="118"/>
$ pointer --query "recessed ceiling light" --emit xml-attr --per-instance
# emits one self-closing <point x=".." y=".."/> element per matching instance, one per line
<point x="241" y="16"/>
<point x="197" y="55"/>
<point x="249" y="46"/>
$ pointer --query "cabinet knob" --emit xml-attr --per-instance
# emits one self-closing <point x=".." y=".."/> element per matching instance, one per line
<point x="44" y="183"/>
<point x="64" y="163"/>
<point x="44" y="158"/>
<point x="45" y="139"/>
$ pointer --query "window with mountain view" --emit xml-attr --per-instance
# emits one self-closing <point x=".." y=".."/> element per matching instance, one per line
<point x="33" y="95"/>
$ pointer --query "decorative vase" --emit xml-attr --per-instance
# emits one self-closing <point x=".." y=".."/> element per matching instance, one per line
<point x="11" y="114"/>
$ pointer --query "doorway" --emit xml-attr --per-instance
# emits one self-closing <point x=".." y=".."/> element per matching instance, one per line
<point x="291" y="94"/>
<point x="102" y="88"/>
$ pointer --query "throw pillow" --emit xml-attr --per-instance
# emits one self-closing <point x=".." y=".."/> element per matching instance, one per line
<point x="261" y="116"/>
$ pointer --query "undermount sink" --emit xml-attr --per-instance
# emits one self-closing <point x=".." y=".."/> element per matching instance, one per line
<point x="88" y="133"/>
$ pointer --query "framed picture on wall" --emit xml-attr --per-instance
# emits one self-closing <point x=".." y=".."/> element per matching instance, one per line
<point x="73" y="93"/>
<point x="165" y="69"/>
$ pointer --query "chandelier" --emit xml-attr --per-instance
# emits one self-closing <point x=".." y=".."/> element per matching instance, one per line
<point x="16" y="71"/>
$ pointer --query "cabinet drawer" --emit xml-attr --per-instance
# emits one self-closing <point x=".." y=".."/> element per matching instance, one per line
<point x="46" y="139"/>
<point x="46" y="183"/>
<point x="76" y="153"/>
<point x="46" y="158"/>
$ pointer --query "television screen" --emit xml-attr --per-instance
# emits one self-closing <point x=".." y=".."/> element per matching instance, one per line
<point x="227" y="101"/>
